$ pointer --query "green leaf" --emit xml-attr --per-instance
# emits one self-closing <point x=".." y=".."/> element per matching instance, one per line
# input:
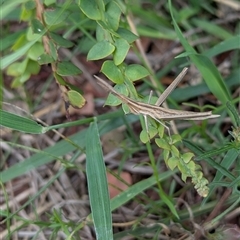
<point x="69" y="86"/>
<point x="127" y="35"/>
<point x="76" y="100"/>
<point x="15" y="69"/>
<point x="32" y="67"/>
<point x="187" y="157"/>
<point x="175" y="151"/>
<point x="112" y="72"/>
<point x="63" y="147"/>
<point x="162" y="143"/>
<point x="30" y="5"/>
<point x="135" y="72"/>
<point x="20" y="42"/>
<point x="6" y="61"/>
<point x="212" y="28"/>
<point x="56" y="16"/>
<point x="60" y="80"/>
<point x="161" y="130"/>
<point x="49" y="2"/>
<point x="138" y="188"/>
<point x="146" y="136"/>
<point x="20" y="123"/>
<point x="102" y="34"/>
<point x="212" y="77"/>
<point x="234" y="112"/>
<point x="18" y="81"/>
<point x="208" y="70"/>
<point x="172" y="162"/>
<point x="37" y="26"/>
<point x="224" y="46"/>
<point x="91" y="8"/>
<point x="45" y="59"/>
<point x="31" y="36"/>
<point x="67" y="69"/>
<point x="97" y="184"/>
<point x="53" y="50"/>
<point x="125" y="108"/>
<point x="112" y="15"/>
<point x="100" y="50"/>
<point x="60" y="40"/>
<point x="35" y="51"/>
<point x="26" y="15"/>
<point x="113" y="100"/>
<point x="166" y="154"/>
<point x="122" y="48"/>
<point x="176" y="138"/>
<point x="8" y="40"/>
<point x="23" y="71"/>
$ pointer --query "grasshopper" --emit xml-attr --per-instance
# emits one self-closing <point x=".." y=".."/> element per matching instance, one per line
<point x="155" y="111"/>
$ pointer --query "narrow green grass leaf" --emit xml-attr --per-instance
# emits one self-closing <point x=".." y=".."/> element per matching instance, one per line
<point x="138" y="188"/>
<point x="224" y="46"/>
<point x="9" y="59"/>
<point x="20" y="123"/>
<point x="10" y="39"/>
<point x="208" y="70"/>
<point x="212" y="77"/>
<point x="212" y="28"/>
<point x="63" y="147"/>
<point x="9" y="6"/>
<point x="235" y="113"/>
<point x="97" y="184"/>
<point x="227" y="162"/>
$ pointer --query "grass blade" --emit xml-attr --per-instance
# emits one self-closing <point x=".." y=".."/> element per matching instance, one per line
<point x="20" y="123"/>
<point x="207" y="69"/>
<point x="97" y="185"/>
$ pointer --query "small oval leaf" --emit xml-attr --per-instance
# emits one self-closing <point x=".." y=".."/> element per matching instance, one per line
<point x="35" y="51"/>
<point x="37" y="26"/>
<point x="172" y="162"/>
<point x="144" y="136"/>
<point x="122" y="48"/>
<point x="56" y="16"/>
<point x="76" y="100"/>
<point x="67" y="69"/>
<point x="112" y="15"/>
<point x="100" y="50"/>
<point x="162" y="143"/>
<point x="135" y="72"/>
<point x="91" y="9"/>
<point x="187" y="157"/>
<point x="112" y="72"/>
<point x="113" y="100"/>
<point x="127" y="35"/>
<point x="45" y="59"/>
<point x="60" y="40"/>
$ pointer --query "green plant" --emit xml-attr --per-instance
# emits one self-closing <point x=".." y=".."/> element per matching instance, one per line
<point x="50" y="24"/>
